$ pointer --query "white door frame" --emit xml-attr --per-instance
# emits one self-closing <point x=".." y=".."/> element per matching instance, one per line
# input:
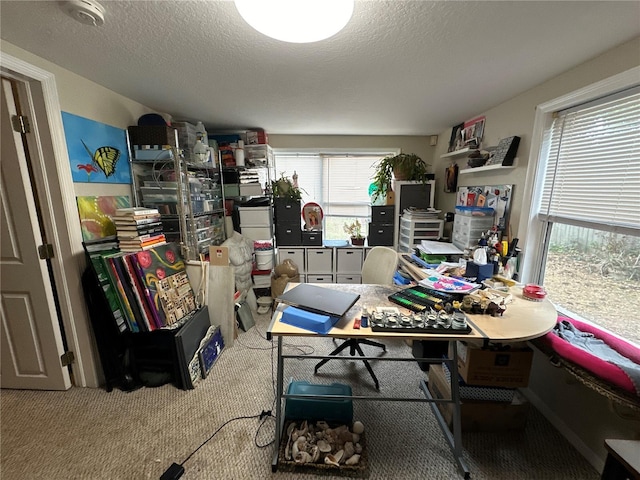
<point x="60" y="213"/>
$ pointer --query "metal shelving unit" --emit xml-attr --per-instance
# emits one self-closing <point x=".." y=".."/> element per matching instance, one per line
<point x="189" y="195"/>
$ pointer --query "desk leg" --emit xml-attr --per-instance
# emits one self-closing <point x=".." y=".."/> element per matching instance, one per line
<point x="454" y="440"/>
<point x="279" y="418"/>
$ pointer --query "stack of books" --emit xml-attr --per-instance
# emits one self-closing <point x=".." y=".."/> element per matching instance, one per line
<point x="138" y="228"/>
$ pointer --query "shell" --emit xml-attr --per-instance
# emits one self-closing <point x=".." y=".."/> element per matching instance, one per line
<point x="356" y="438"/>
<point x="349" y="450"/>
<point x="353" y="459"/>
<point x="358" y="448"/>
<point x="302" y="457"/>
<point x="315" y="454"/>
<point x="330" y="460"/>
<point x="298" y="446"/>
<point x="338" y="455"/>
<point x="324" y="446"/>
<point x="358" y="427"/>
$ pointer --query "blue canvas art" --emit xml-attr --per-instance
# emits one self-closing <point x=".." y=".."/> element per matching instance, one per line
<point x="97" y="152"/>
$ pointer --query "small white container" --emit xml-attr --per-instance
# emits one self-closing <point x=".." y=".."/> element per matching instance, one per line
<point x="264" y="259"/>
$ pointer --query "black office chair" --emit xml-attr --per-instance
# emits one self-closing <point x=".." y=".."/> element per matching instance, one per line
<point x="377" y="269"/>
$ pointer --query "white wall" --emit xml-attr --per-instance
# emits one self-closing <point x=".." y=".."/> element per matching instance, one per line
<point x="87" y="99"/>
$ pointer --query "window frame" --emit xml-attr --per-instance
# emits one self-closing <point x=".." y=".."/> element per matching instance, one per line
<point x="531" y="228"/>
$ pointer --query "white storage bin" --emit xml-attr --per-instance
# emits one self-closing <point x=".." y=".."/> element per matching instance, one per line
<point x="257" y="233"/>
<point x="345" y="278"/>
<point x="349" y="260"/>
<point x="251" y="190"/>
<point x="296" y="255"/>
<point x="319" y="260"/>
<point x="254" y="216"/>
<point x="327" y="278"/>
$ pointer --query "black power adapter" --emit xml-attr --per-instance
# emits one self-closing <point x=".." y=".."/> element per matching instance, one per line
<point x="174" y="472"/>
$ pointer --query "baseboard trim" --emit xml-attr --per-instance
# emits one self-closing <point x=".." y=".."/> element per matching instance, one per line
<point x="589" y="455"/>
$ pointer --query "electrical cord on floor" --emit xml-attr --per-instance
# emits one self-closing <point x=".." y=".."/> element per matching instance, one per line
<point x="175" y="471"/>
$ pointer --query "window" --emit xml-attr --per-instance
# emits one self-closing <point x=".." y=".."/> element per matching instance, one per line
<point x="585" y="212"/>
<point x="339" y="182"/>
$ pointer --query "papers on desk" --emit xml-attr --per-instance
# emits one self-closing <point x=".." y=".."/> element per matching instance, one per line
<point x="439" y="248"/>
<point x="442" y="283"/>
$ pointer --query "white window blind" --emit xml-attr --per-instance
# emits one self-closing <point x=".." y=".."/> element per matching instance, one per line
<point x="309" y="170"/>
<point x="346" y="185"/>
<point x="592" y="175"/>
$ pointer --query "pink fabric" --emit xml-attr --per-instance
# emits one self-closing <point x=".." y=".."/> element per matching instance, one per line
<point x="598" y="367"/>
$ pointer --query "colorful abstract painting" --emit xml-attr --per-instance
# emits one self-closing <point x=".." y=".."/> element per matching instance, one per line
<point x="96" y="213"/>
<point x="97" y="152"/>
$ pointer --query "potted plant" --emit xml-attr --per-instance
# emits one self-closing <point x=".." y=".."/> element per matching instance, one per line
<point x="404" y="166"/>
<point x="285" y="188"/>
<point x="355" y="232"/>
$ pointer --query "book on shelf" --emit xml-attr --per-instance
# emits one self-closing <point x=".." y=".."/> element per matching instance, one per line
<point x="124" y="222"/>
<point x="135" y="231"/>
<point x="135" y="212"/>
<point x="138" y="248"/>
<point x="143" y="240"/>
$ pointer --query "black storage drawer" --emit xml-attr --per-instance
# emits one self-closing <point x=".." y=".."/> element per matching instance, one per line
<point x="288" y="234"/>
<point x="313" y="238"/>
<point x="380" y="234"/>
<point x="287" y="211"/>
<point x="382" y="213"/>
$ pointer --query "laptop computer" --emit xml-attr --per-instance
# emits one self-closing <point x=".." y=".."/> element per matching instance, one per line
<point x="319" y="299"/>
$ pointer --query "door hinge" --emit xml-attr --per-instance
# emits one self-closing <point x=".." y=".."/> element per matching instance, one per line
<point x="21" y="124"/>
<point x="67" y="358"/>
<point x="45" y="252"/>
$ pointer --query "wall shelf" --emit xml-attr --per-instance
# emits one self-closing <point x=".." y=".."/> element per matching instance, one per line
<point x="458" y="153"/>
<point x="486" y="168"/>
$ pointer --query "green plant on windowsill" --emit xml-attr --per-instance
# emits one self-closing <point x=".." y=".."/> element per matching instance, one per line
<point x="404" y="166"/>
<point x="284" y="188"/>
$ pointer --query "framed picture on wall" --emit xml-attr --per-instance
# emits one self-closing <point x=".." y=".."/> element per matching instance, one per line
<point x="97" y="151"/>
<point x="451" y="178"/>
<point x="455" y="142"/>
<point x="473" y="132"/>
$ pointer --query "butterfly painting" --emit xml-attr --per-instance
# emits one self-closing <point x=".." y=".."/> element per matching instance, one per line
<point x="105" y="158"/>
<point x="97" y="152"/>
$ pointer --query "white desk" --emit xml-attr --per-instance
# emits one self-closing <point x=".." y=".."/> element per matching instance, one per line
<point x="523" y="320"/>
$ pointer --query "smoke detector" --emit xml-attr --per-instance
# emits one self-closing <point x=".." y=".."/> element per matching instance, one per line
<point x="85" y="11"/>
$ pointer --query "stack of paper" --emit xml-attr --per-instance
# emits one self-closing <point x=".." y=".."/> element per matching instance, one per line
<point x="439" y="248"/>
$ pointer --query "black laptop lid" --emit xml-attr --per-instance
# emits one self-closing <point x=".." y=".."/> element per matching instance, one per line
<point x="319" y="299"/>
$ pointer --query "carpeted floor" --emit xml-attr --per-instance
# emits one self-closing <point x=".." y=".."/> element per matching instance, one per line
<point x="94" y="434"/>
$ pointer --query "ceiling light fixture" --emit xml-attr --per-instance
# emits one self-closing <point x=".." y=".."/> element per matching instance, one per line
<point x="296" y="21"/>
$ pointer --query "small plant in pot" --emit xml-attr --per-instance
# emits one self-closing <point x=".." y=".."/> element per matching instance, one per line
<point x="404" y="166"/>
<point x="355" y="232"/>
<point x="285" y="188"/>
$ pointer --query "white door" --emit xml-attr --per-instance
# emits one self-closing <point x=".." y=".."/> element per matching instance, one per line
<point x="31" y="338"/>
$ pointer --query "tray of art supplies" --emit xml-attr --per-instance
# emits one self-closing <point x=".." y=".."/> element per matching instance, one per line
<point x="389" y="319"/>
<point x="418" y="298"/>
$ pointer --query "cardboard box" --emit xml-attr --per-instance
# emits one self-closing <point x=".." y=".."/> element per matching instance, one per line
<point x="507" y="368"/>
<point x="478" y="416"/>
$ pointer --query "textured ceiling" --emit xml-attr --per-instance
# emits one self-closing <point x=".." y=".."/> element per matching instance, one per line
<point x="398" y="68"/>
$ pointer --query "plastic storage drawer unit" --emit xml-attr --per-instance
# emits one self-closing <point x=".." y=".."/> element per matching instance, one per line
<point x="338" y="410"/>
